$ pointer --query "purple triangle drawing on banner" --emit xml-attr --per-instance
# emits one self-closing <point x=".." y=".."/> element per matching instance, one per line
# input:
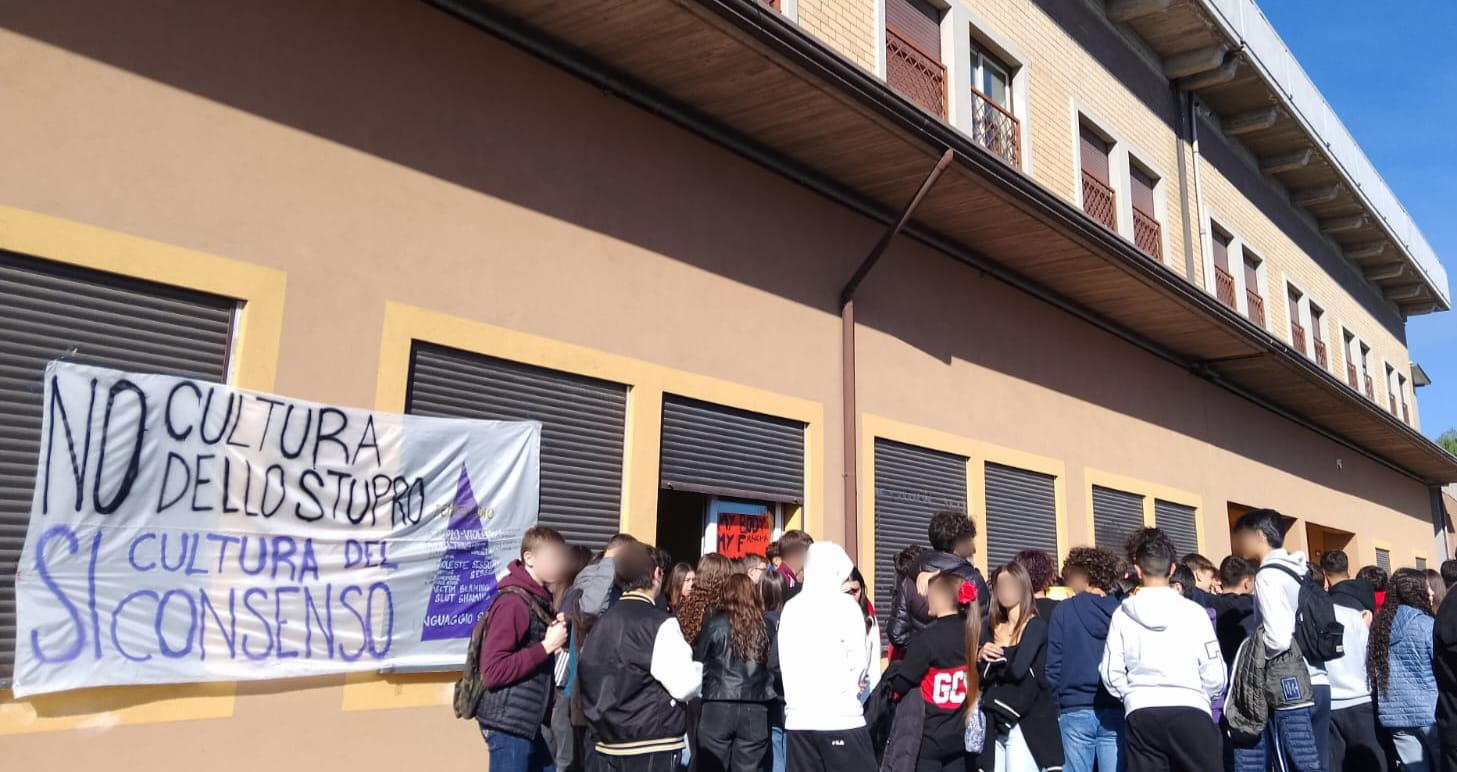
<point x="465" y="581"/>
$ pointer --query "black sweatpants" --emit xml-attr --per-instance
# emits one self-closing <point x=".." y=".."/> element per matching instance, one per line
<point x="1172" y="740"/>
<point x="835" y="751"/>
<point x="1355" y="746"/>
<point x="732" y="736"/>
<point x="663" y="761"/>
<point x="953" y="764"/>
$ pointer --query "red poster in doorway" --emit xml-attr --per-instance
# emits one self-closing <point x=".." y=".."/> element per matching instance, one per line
<point x="743" y="534"/>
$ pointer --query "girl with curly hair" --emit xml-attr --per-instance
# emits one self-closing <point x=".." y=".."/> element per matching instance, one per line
<point x="1042" y="571"/>
<point x="1399" y="664"/>
<point x="733" y="645"/>
<point x="708" y="582"/>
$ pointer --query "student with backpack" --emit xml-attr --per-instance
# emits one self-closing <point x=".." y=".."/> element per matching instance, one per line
<point x="1163" y="661"/>
<point x="519" y="637"/>
<point x="1400" y="665"/>
<point x="636" y="672"/>
<point x="1292" y="611"/>
<point x="1091" y="719"/>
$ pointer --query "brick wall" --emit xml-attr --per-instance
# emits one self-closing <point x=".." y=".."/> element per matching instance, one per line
<point x="848" y="26"/>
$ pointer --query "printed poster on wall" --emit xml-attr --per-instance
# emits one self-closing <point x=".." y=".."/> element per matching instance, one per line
<point x="185" y="531"/>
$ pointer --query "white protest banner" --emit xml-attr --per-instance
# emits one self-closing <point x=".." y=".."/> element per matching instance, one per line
<point x="186" y="531"/>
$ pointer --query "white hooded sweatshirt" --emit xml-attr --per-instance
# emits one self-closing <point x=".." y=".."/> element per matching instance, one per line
<point x="1277" y="596"/>
<point x="1162" y="653"/>
<point x="821" y="647"/>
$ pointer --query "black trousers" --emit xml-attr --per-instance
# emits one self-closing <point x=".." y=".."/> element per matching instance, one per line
<point x="1355" y="746"/>
<point x="847" y="750"/>
<point x="1172" y="740"/>
<point x="732" y="737"/>
<point x="954" y="764"/>
<point x="666" y="761"/>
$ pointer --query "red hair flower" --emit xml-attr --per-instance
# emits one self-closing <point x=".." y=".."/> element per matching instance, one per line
<point x="967" y="594"/>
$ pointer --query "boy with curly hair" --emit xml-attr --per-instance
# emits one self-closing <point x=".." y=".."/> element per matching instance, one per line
<point x="1091" y="719"/>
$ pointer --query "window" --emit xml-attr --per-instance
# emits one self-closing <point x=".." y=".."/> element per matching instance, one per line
<point x="1352" y="354"/>
<point x="1254" y="301"/>
<point x="1366" y="371"/>
<point x="1147" y="233"/>
<point x="1116" y="515"/>
<point x="1317" y="336"/>
<point x="1391" y="388"/>
<point x="1383" y="559"/>
<point x="913" y="53"/>
<point x="1297" y="331"/>
<point x="1099" y="200"/>
<point x="993" y="124"/>
<point x="1223" y="279"/>
<point x="1401" y="397"/>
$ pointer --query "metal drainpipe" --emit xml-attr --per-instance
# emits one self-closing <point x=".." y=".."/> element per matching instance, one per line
<point x="1201" y="228"/>
<point x="850" y="420"/>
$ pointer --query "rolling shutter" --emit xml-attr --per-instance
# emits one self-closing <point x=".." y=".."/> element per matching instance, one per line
<point x="1116" y="515"/>
<point x="1179" y="522"/>
<point x="582" y="424"/>
<point x="917" y="21"/>
<point x="53" y="311"/>
<point x="1421" y="564"/>
<point x="911" y="485"/>
<point x="720" y="450"/>
<point x="1383" y="559"/>
<point x="1021" y="513"/>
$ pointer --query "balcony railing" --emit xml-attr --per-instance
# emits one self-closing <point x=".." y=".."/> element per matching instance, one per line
<point x="1257" y="307"/>
<point x="1224" y="286"/>
<point x="1297" y="336"/>
<point x="996" y="129"/>
<point x="1370" y="388"/>
<point x="1320" y="356"/>
<point x="1099" y="201"/>
<point x="1351" y="376"/>
<point x="1148" y="235"/>
<point x="1392" y="399"/>
<point x="915" y="73"/>
<point x="1405" y="414"/>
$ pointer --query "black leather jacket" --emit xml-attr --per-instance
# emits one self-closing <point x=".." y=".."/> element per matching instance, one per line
<point x="725" y="676"/>
<point x="908" y="610"/>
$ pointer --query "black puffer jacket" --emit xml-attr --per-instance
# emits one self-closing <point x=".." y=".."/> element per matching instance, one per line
<point x="726" y="676"/>
<point x="908" y="611"/>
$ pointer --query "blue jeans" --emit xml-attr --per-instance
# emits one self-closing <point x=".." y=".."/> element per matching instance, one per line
<point x="1089" y="734"/>
<point x="510" y="753"/>
<point x="776" y="748"/>
<point x="1416" y="747"/>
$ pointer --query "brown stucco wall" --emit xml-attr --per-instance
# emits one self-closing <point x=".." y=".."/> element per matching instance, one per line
<point x="397" y="155"/>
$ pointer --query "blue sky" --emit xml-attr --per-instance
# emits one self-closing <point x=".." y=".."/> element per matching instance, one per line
<point x="1390" y="71"/>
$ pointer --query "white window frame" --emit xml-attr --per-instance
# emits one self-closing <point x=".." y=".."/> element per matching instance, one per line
<point x="963" y="30"/>
<point x="1312" y="325"/>
<point x="1238" y="246"/>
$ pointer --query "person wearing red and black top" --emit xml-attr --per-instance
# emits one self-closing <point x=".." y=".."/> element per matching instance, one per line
<point x="934" y="671"/>
<point x="518" y="654"/>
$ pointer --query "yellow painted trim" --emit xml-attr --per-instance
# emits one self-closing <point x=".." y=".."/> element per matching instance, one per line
<point x="646" y="382"/>
<point x="254" y="360"/>
<point x="253" y="365"/>
<point x="976" y="453"/>
<point x="1150" y="491"/>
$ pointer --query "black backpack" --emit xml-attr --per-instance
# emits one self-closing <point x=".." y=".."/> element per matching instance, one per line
<point x="1320" y="636"/>
<point x="468" y="688"/>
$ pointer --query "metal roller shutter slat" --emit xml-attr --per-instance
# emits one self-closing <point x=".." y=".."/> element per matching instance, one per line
<point x="111" y="321"/>
<point x="1021" y="513"/>
<point x="1116" y="515"/>
<point x="582" y="419"/>
<point x="720" y="447"/>
<point x="911" y="485"/>
<point x="1180" y="523"/>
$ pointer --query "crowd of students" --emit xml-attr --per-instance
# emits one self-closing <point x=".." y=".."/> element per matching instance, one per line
<point x="1136" y="660"/>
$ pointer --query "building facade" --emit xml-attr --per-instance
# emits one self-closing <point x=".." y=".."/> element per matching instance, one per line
<point x="1153" y="282"/>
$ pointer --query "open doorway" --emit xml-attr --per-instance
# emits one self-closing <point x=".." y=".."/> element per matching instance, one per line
<point x="692" y="523"/>
<point x="1292" y="538"/>
<point x="1320" y="540"/>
